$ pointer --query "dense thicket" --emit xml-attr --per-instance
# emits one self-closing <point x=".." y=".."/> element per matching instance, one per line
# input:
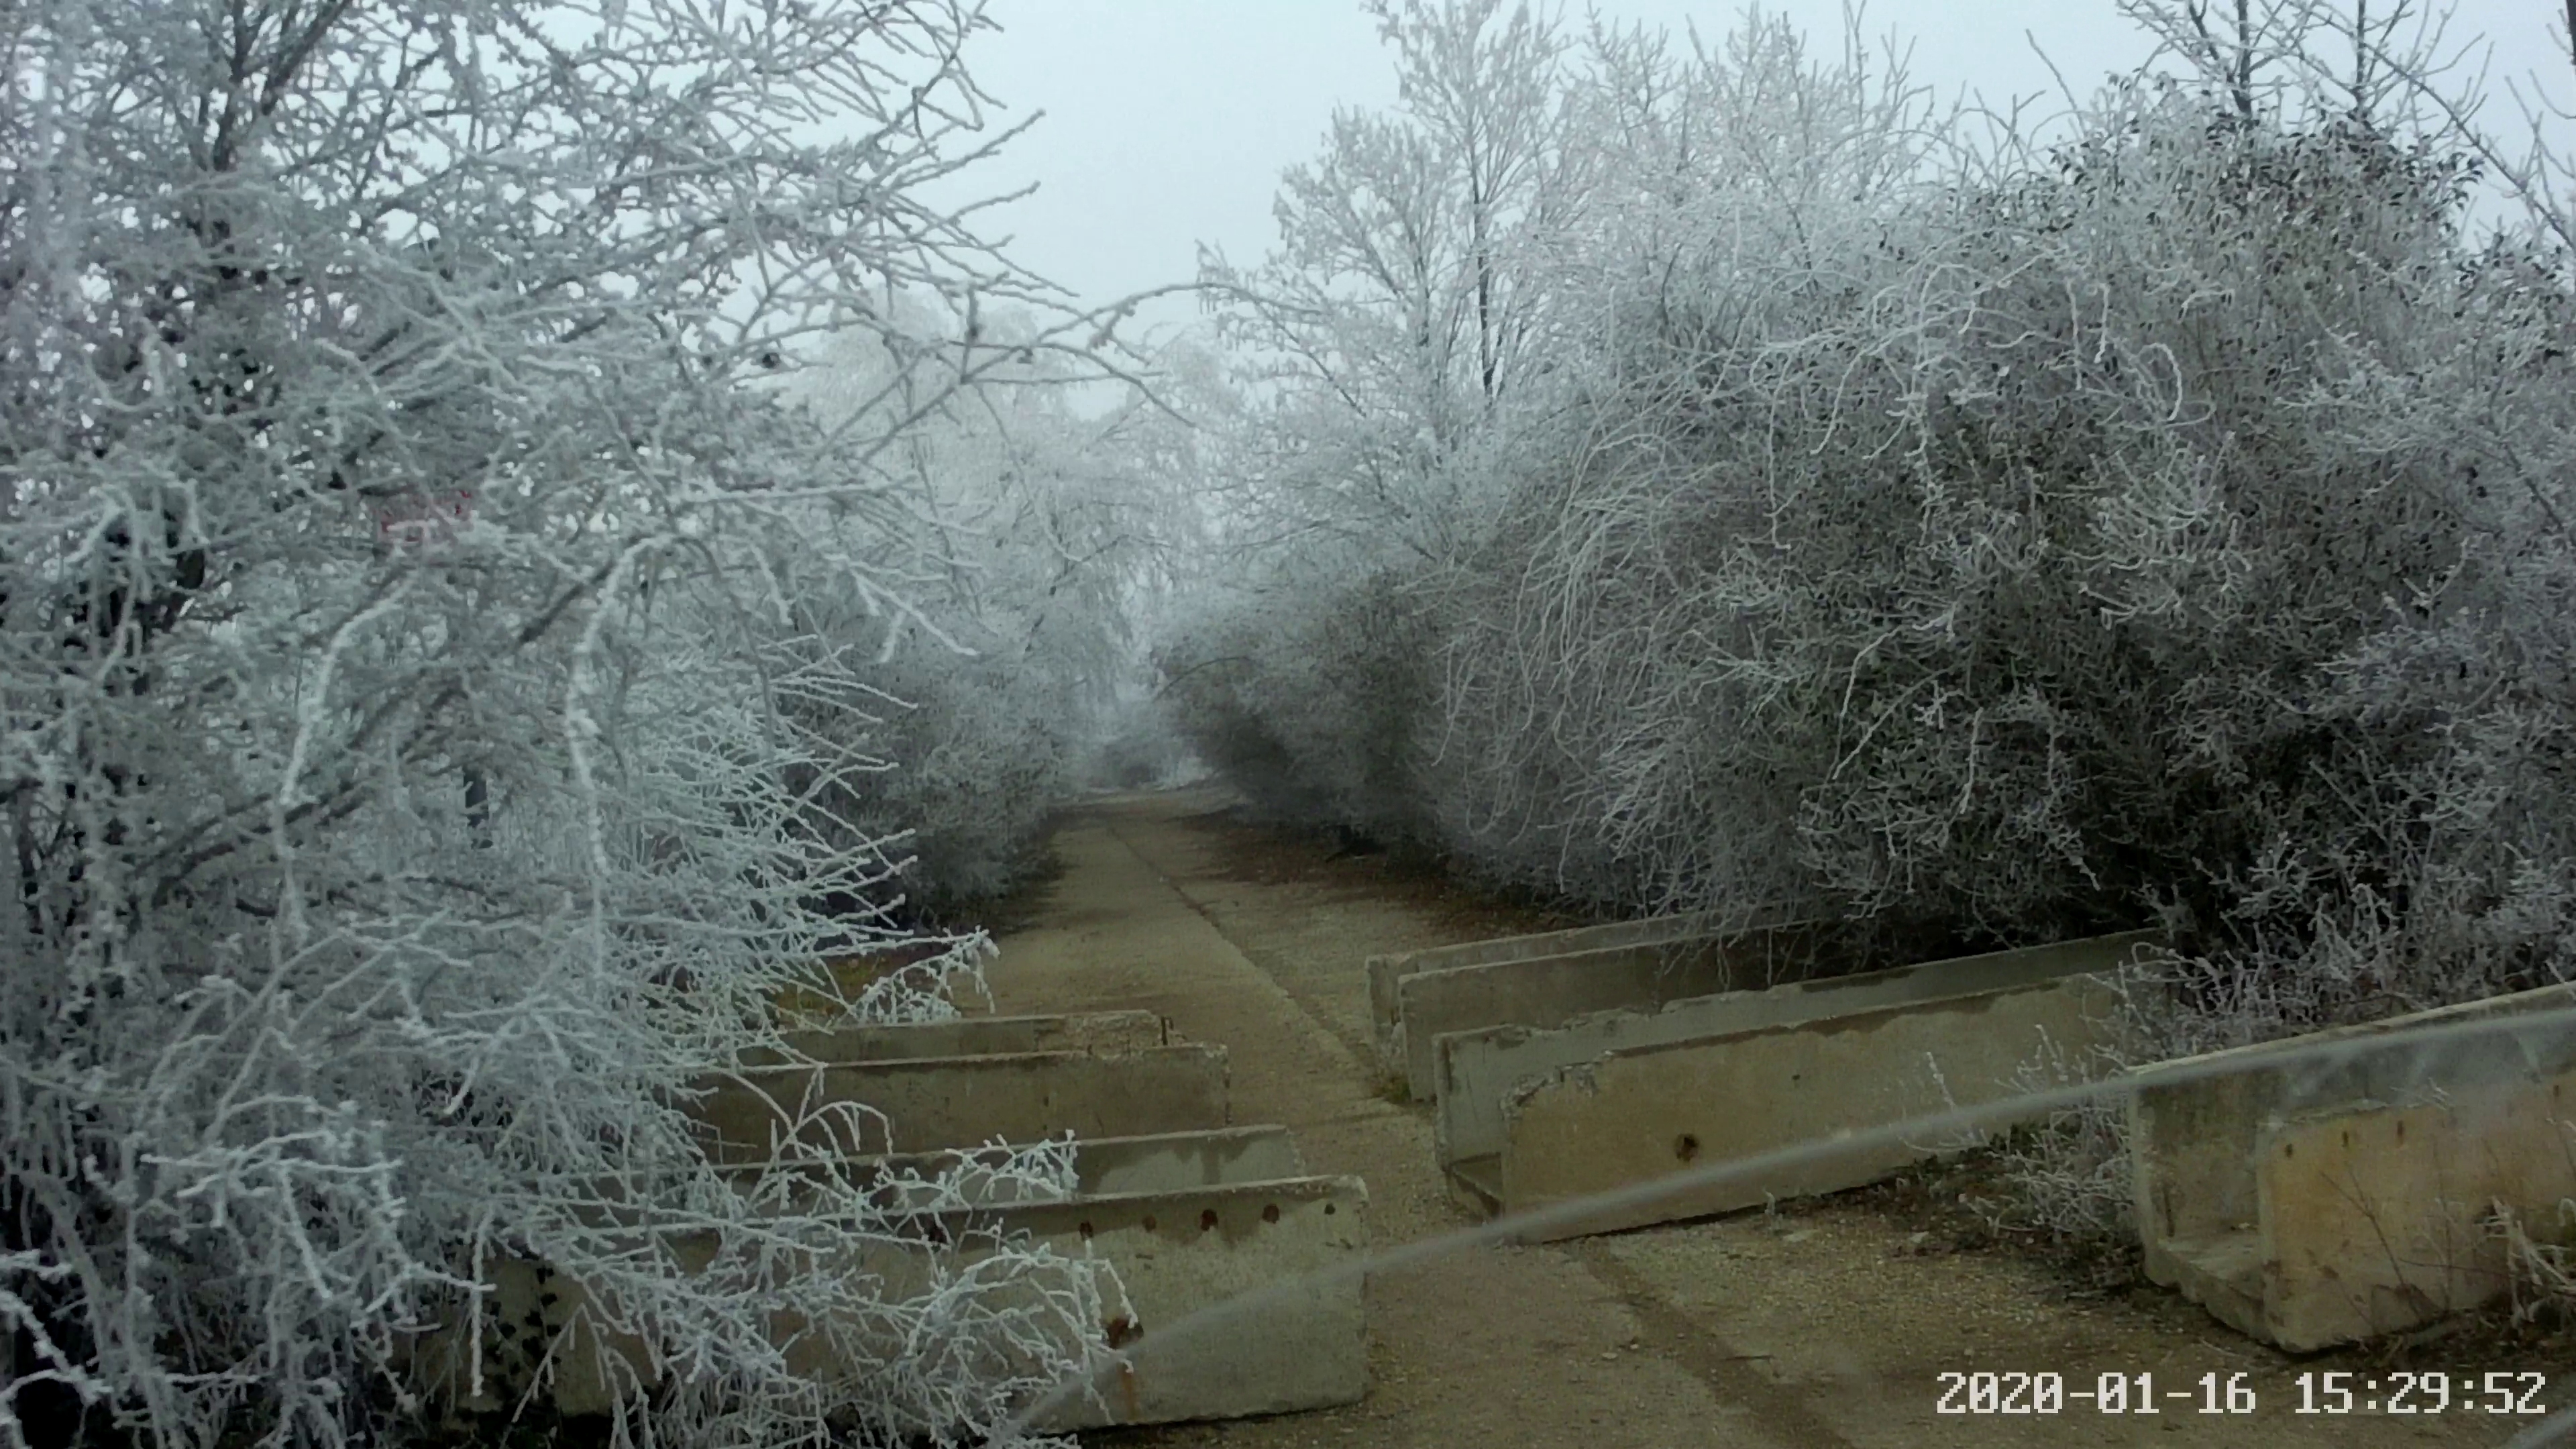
<point x="1992" y="542"/>
<point x="450" y="685"/>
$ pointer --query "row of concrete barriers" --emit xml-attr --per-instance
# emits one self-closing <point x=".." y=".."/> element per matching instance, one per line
<point x="1187" y="1209"/>
<point x="2304" y="1205"/>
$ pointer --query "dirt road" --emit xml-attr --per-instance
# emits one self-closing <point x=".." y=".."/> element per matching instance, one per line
<point x="1821" y="1328"/>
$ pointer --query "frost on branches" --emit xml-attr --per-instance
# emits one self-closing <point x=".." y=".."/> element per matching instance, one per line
<point x="1982" y="536"/>
<point x="415" y="624"/>
<point x="1030" y="520"/>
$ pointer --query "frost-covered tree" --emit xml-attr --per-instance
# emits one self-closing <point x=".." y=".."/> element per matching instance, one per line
<point x="1993" y="542"/>
<point x="421" y="622"/>
<point x="1401" y="304"/>
<point x="1629" y="155"/>
<point x="1745" y="190"/>
<point x="1032" y="532"/>
<point x="1404" y="308"/>
<point x="2303" y="61"/>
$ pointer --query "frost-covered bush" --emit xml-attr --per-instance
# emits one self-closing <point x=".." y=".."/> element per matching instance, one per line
<point x="411" y="640"/>
<point x="1975" y="562"/>
<point x="1003" y="660"/>
<point x="979" y="764"/>
<point x="1994" y="543"/>
<point x="1312" y="705"/>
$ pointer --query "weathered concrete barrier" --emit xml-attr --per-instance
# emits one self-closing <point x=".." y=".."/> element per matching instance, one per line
<point x="1174" y="1253"/>
<point x="1646" y="1112"/>
<point x="1179" y="1253"/>
<point x="1186" y="1221"/>
<point x="866" y="1108"/>
<point x="983" y="1176"/>
<point x="1475" y="1070"/>
<point x="1548" y="991"/>
<point x="1385" y="971"/>
<point x="2309" y="1201"/>
<point x="973" y="1036"/>
<point x="1178" y="1161"/>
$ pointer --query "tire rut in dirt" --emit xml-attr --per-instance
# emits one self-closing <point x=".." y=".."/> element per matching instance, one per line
<point x="1781" y="1410"/>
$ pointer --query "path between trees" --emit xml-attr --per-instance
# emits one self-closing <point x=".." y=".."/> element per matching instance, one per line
<point x="1817" y="1329"/>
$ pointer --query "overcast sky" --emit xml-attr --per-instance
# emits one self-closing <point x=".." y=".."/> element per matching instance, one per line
<point x="1167" y="122"/>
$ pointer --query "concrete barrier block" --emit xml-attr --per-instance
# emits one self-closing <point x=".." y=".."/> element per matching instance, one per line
<point x="2308" y="1201"/>
<point x="1644" y="1113"/>
<point x="1173" y="1255"/>
<point x="1546" y="992"/>
<point x="1304" y="1346"/>
<point x="871" y="1108"/>
<point x="2379" y="1220"/>
<point x="1385" y="971"/>
<point x="972" y="1036"/>
<point x="1102" y="1166"/>
<point x="1475" y="1070"/>
<point x="2194" y="1121"/>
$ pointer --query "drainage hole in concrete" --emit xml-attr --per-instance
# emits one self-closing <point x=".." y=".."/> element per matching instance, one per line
<point x="1207" y="1219"/>
<point x="1270" y="1212"/>
<point x="1686" y="1146"/>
